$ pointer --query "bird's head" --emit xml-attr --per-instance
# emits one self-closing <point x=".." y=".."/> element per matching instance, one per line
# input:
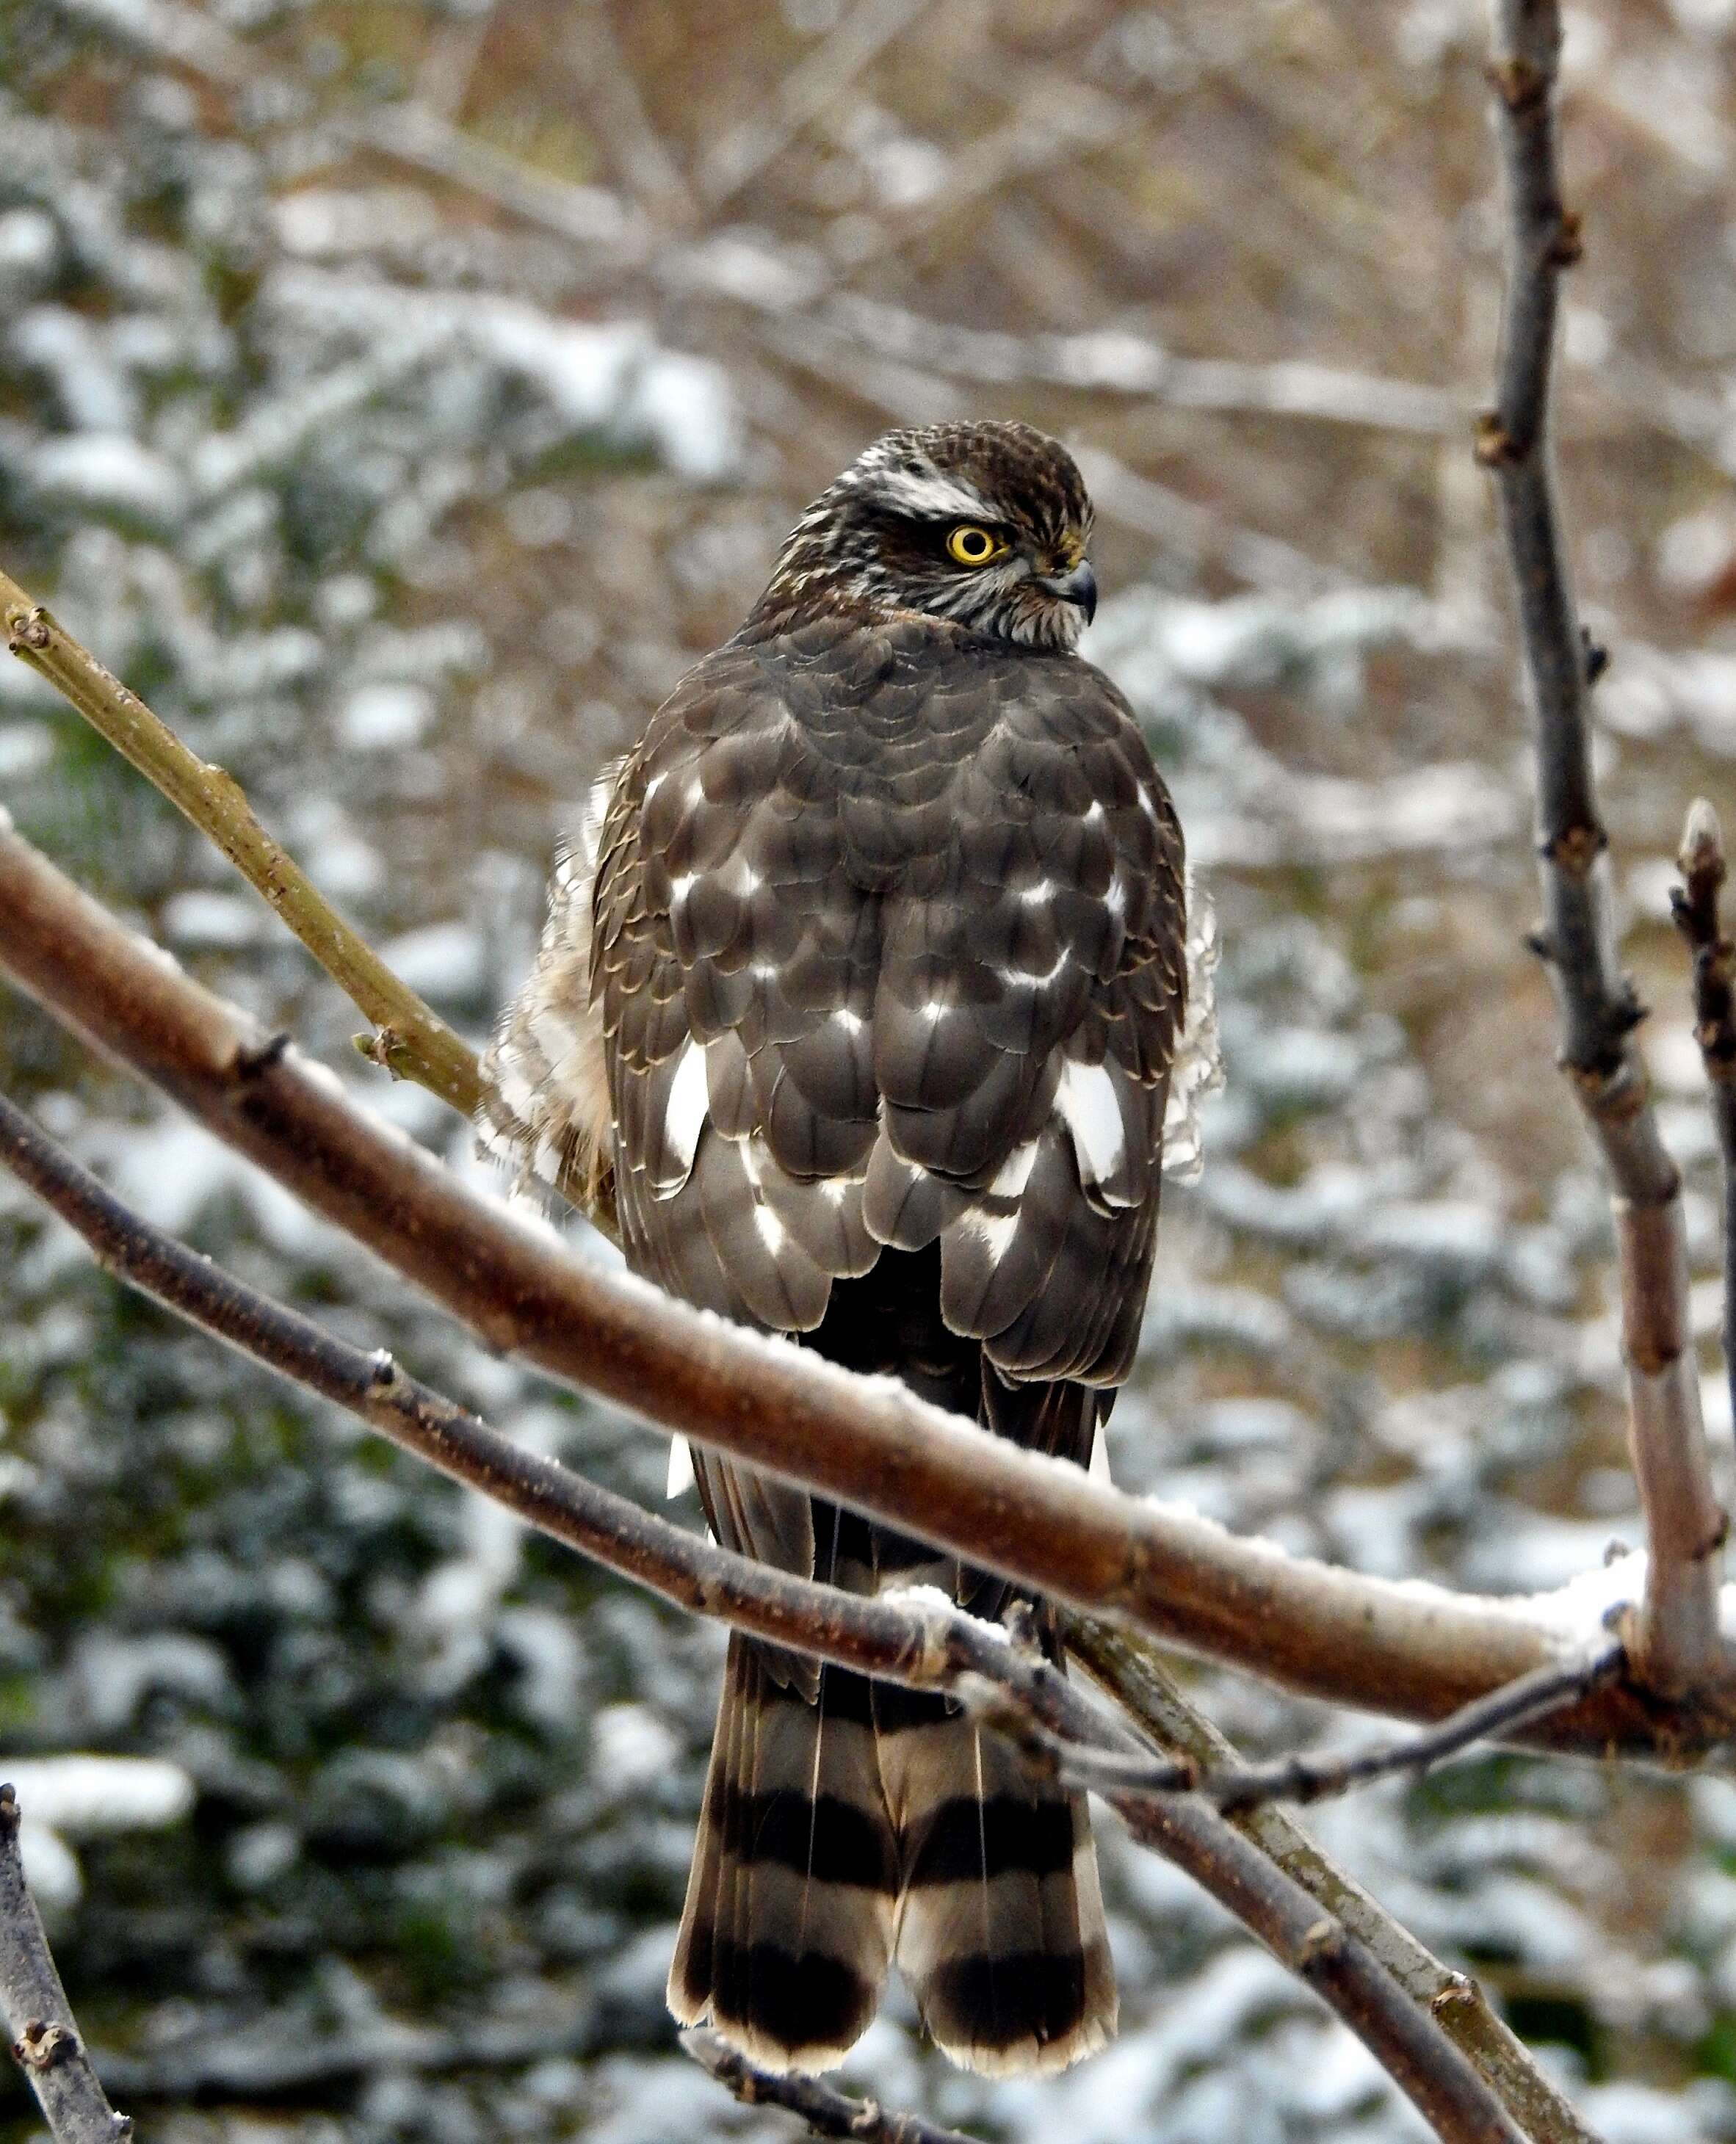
<point x="985" y="524"/>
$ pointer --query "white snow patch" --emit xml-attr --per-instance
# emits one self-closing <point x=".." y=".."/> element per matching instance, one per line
<point x="386" y="717"/>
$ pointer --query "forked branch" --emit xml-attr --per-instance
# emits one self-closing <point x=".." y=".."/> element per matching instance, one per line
<point x="1133" y="1674"/>
<point x="1675" y="1643"/>
<point x="411" y="1040"/>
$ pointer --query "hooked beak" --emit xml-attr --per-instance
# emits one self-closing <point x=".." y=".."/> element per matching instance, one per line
<point x="1079" y="587"/>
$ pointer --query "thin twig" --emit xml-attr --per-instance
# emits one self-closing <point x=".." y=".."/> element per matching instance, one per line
<point x="815" y="82"/>
<point x="826" y="2112"/>
<point x="1695" y="904"/>
<point x="1675" y="1643"/>
<point x="1409" y="1649"/>
<point x="413" y="1041"/>
<point x="1111" y="361"/>
<point x="45" y="2038"/>
<point x="1302" y="1777"/>
<point x="928" y="1644"/>
<point x="610" y="97"/>
<point x="1130" y="1668"/>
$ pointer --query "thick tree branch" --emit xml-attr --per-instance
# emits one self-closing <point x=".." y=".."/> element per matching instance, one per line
<point x="1410" y="1650"/>
<point x="930" y="1645"/>
<point x="1695" y="904"/>
<point x="412" y="1042"/>
<point x="1674" y="1644"/>
<point x="45" y="2040"/>
<point x="1130" y="1670"/>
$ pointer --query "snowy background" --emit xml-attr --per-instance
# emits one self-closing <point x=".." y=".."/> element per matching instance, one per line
<point x="400" y="397"/>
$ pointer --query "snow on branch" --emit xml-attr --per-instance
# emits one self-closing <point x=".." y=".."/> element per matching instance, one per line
<point x="907" y="1635"/>
<point x="1402" y="1648"/>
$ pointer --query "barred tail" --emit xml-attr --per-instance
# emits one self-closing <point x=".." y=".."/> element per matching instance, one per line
<point x="1001" y="1926"/>
<point x="787" y="1931"/>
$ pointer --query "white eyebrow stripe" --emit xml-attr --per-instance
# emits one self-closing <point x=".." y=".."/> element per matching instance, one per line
<point x="930" y="498"/>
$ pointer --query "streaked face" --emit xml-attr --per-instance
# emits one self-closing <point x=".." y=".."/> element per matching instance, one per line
<point x="985" y="524"/>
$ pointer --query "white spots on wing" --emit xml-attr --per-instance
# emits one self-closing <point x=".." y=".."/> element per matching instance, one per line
<point x="836" y="1190"/>
<point x="1023" y="978"/>
<point x="1094" y="812"/>
<point x="852" y="1023"/>
<point x="935" y="1010"/>
<point x="1014" y="1172"/>
<point x="1148" y="805"/>
<point x="1115" y="899"/>
<point x="1034" y="896"/>
<point x="1087" y="1103"/>
<point x="684" y="1119"/>
<point x="772" y="1231"/>
<point x="680" y="888"/>
<point x="651" y="788"/>
<point x="763" y="971"/>
<point x="995" y="1232"/>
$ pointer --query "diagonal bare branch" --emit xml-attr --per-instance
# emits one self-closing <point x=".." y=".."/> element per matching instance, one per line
<point x="1130" y="1668"/>
<point x="413" y="1041"/>
<point x="1410" y="1650"/>
<point x="1675" y="1643"/>
<point x="910" y="1639"/>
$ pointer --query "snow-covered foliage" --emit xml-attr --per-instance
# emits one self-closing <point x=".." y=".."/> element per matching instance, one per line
<point x="408" y="517"/>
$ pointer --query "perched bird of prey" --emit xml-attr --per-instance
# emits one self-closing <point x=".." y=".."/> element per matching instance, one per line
<point x="866" y="983"/>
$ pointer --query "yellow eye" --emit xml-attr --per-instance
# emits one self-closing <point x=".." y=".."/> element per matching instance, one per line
<point x="972" y="546"/>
